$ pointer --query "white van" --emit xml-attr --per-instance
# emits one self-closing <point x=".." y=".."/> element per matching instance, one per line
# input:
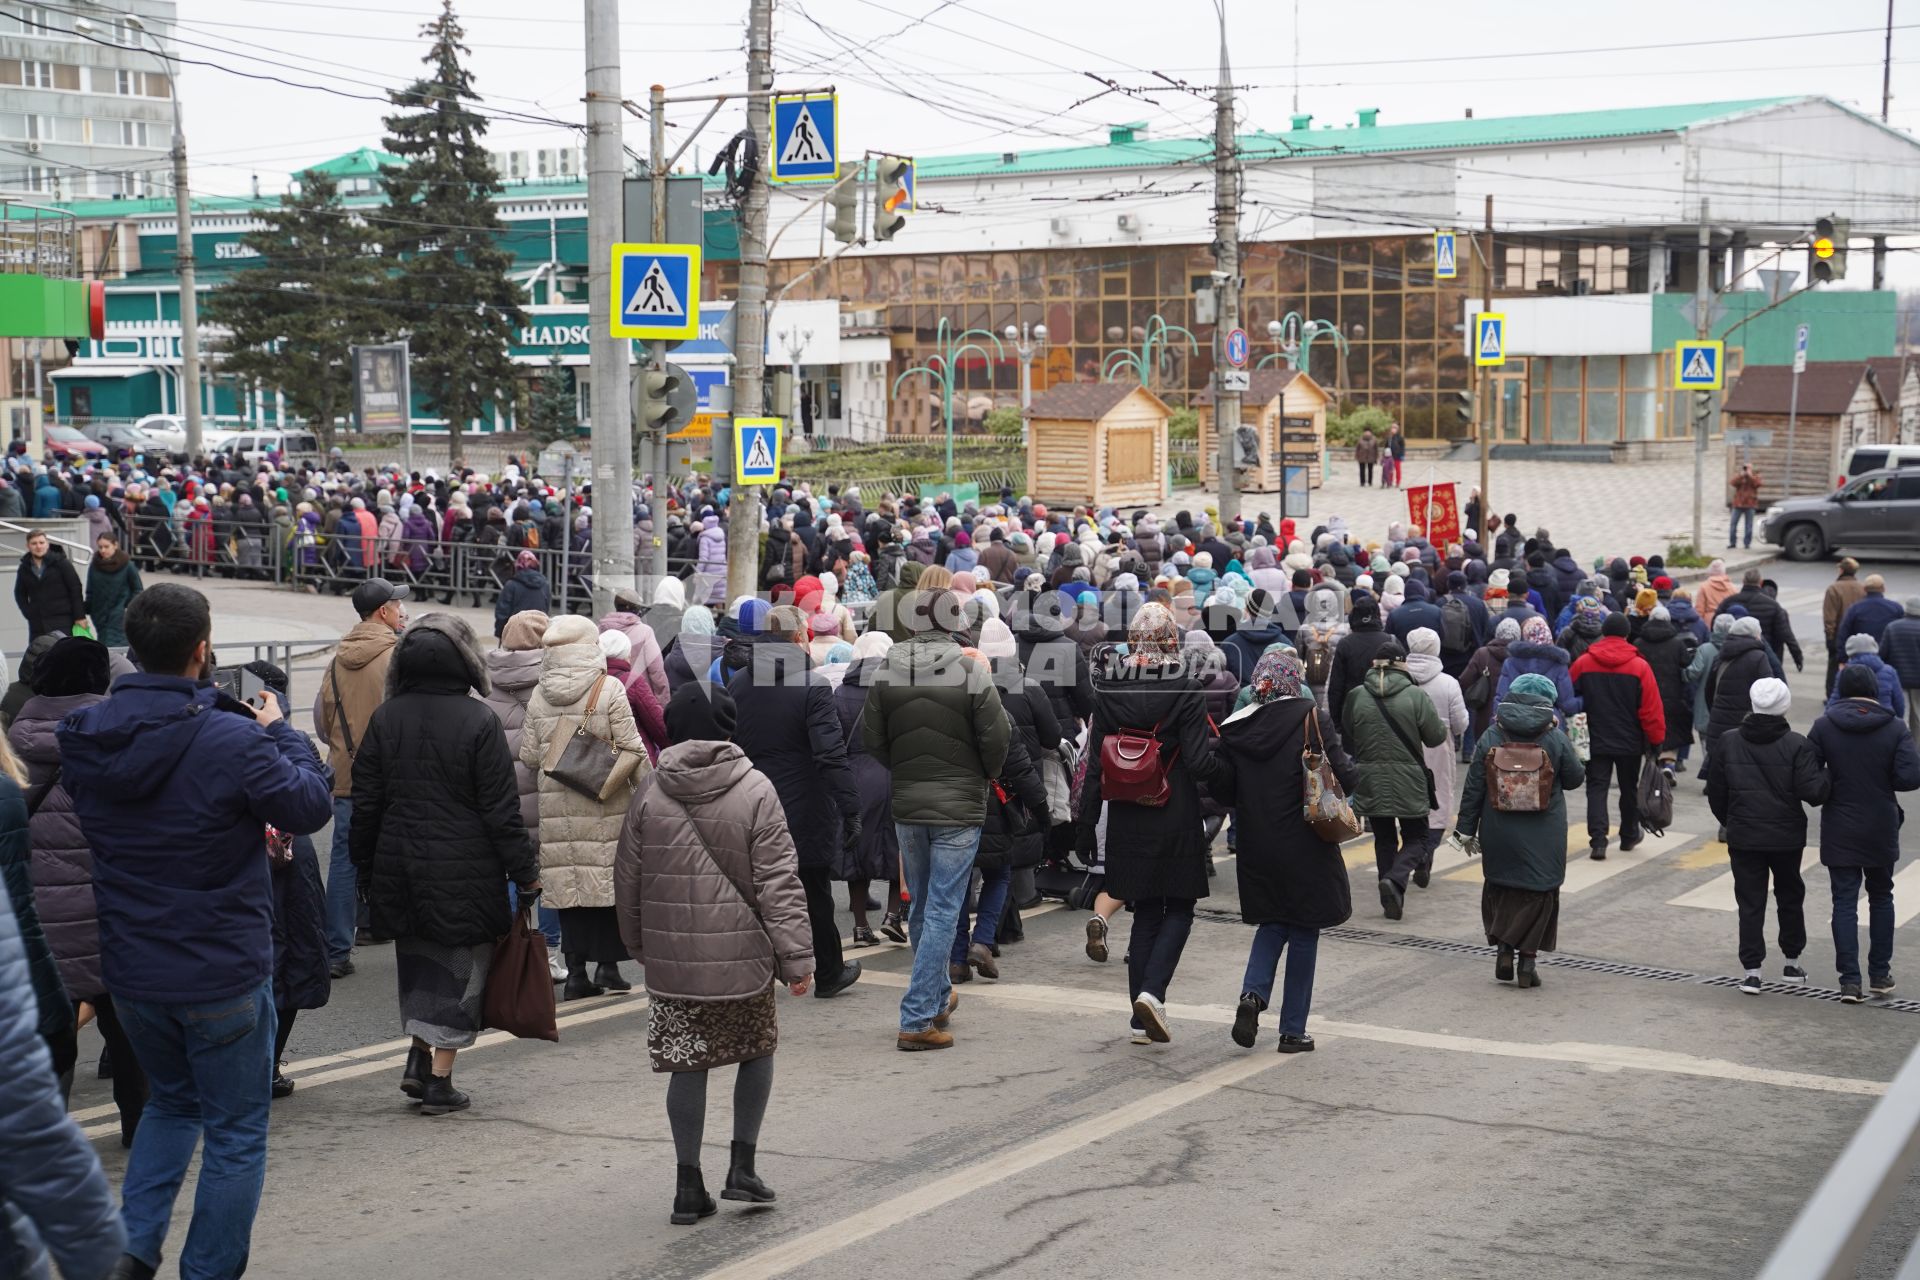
<point x="1875" y="457"/>
<point x="293" y="446"/>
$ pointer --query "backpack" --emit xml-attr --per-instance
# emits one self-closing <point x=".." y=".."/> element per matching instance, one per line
<point x="1132" y="770"/>
<point x="533" y="537"/>
<point x="1656" y="797"/>
<point x="1316" y="655"/>
<point x="1456" y="626"/>
<point x="1520" y="777"/>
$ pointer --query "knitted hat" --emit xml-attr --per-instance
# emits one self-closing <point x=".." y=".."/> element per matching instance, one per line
<point x="1861" y="643"/>
<point x="700" y="711"/>
<point x="1770" y="697"/>
<point x="523" y="630"/>
<point x="1616" y="624"/>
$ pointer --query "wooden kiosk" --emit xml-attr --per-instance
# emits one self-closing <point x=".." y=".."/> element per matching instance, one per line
<point x="1097" y="444"/>
<point x="1288" y="412"/>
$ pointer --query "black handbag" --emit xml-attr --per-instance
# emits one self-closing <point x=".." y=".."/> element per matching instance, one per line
<point x="581" y="761"/>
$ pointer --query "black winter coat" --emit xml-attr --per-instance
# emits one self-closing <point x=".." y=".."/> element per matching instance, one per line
<point x="50" y="600"/>
<point x="1742" y="660"/>
<point x="1054" y="661"/>
<point x="1352" y="659"/>
<point x="1776" y="628"/>
<point x="527" y="589"/>
<point x="1668" y="652"/>
<point x="1759" y="777"/>
<point x="876" y="854"/>
<point x="1015" y="832"/>
<point x="1152" y="853"/>
<point x="300" y="976"/>
<point x="1287" y="874"/>
<point x="1868" y="755"/>
<point x="437" y="831"/>
<point x="788" y="729"/>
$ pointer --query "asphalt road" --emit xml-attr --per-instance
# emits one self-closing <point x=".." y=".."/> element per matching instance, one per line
<point x="1634" y="1116"/>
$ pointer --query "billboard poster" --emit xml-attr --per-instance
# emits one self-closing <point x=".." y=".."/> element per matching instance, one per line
<point x="382" y="388"/>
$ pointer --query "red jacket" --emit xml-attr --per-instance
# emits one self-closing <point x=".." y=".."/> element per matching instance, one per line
<point x="1621" y="698"/>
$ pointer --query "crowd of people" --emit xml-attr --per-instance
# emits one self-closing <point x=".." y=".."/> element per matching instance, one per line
<point x="942" y="707"/>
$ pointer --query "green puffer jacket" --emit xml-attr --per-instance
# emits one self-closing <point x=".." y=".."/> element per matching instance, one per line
<point x="1522" y="850"/>
<point x="934" y="720"/>
<point x="1393" y="780"/>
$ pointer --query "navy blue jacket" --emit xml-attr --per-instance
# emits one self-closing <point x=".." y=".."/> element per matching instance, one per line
<point x="1410" y="617"/>
<point x="1868" y="755"/>
<point x="1685" y="618"/>
<point x="1900" y="649"/>
<point x="1869" y="616"/>
<point x="1246" y="645"/>
<point x="174" y="784"/>
<point x="48" y="1172"/>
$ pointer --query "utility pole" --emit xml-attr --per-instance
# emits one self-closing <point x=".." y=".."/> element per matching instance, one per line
<point x="750" y="319"/>
<point x="1489" y="412"/>
<point x="1702" y="400"/>
<point x="611" y="404"/>
<point x="1886" y="72"/>
<point x="1226" y="225"/>
<point x="656" y="438"/>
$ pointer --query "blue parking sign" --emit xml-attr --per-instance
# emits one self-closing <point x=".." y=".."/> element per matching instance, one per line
<point x="656" y="291"/>
<point x="806" y="139"/>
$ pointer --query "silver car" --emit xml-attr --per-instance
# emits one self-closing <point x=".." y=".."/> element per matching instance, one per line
<point x="1874" y="511"/>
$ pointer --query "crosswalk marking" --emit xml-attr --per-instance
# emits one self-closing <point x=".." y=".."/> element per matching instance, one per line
<point x="1710" y="854"/>
<point x="1717" y="893"/>
<point x="1361" y="855"/>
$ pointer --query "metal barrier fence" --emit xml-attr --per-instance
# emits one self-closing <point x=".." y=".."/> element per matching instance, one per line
<point x="1837" y="1223"/>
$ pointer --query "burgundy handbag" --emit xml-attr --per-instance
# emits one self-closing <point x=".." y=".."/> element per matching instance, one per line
<point x="1132" y="770"/>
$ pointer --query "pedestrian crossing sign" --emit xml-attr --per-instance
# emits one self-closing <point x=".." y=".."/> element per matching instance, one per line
<point x="1489" y="338"/>
<point x="756" y="450"/>
<point x="1699" y="366"/>
<point x="656" y="291"/>
<point x="1446" y="265"/>
<point x="806" y="139"/>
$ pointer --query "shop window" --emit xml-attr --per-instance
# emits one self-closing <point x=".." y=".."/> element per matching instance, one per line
<point x="1642" y="371"/>
<point x="1603" y="416"/>
<point x="1641" y="421"/>
<point x="1603" y="371"/>
<point x="1323" y="269"/>
<point x="1387" y="308"/>
<point x="1356" y="266"/>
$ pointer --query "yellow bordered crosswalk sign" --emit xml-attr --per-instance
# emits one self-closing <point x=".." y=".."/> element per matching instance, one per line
<point x="1699" y="365"/>
<point x="1489" y="338"/>
<point x="1446" y="263"/>
<point x="756" y="450"/>
<point x="806" y="139"/>
<point x="656" y="291"/>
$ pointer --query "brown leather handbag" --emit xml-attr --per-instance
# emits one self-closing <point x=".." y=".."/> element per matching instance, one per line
<point x="519" y="995"/>
<point x="581" y="760"/>
<point x="1327" y="810"/>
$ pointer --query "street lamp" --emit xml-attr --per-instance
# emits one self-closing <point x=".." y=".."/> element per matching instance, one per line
<point x="183" y="237"/>
<point x="795" y="341"/>
<point x="1027" y="341"/>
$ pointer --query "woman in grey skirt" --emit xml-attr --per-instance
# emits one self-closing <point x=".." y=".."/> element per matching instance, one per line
<point x="707" y="888"/>
<point x="436" y="836"/>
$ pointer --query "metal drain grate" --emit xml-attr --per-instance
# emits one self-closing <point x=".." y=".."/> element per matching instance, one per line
<point x="1585" y="964"/>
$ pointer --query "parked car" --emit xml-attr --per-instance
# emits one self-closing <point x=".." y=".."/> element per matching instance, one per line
<point x="1874" y="457"/>
<point x="67" y="442"/>
<point x="293" y="446"/>
<point x="170" y="429"/>
<point x="1876" y="511"/>
<point x="120" y="435"/>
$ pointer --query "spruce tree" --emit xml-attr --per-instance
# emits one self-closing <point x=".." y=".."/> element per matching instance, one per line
<point x="450" y="291"/>
<point x="294" y="313"/>
<point x="554" y="413"/>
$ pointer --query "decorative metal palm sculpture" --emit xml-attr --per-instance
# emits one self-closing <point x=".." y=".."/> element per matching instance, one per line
<point x="1144" y="363"/>
<point x="951" y="347"/>
<point x="1296" y="337"/>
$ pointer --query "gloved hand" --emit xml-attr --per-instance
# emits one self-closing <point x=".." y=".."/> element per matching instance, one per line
<point x="850" y="830"/>
<point x="1085" y="841"/>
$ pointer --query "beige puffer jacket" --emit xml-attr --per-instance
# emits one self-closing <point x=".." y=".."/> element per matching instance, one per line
<point x="707" y="879"/>
<point x="577" y="833"/>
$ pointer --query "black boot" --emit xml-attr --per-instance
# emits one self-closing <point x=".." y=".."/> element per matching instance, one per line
<point x="413" y="1079"/>
<point x="441" y="1097"/>
<point x="1503" y="964"/>
<point x="742" y="1182"/>
<point x="1527" y="977"/>
<point x="131" y="1268"/>
<point x="608" y="976"/>
<point x="690" y="1199"/>
<point x="579" y="987"/>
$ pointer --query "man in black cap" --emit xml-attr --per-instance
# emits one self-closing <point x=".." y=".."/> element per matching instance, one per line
<point x="353" y="686"/>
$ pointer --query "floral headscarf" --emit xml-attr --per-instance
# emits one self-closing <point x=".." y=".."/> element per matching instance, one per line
<point x="1277" y="675"/>
<point x="1536" y="631"/>
<point x="1153" y="636"/>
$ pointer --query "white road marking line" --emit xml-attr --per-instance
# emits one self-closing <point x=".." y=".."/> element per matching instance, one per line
<point x="888" y="944"/>
<point x="1717" y="893"/>
<point x="912" y="1204"/>
<point x="1906" y="895"/>
<point x="1604" y="1056"/>
<point x="1583" y="872"/>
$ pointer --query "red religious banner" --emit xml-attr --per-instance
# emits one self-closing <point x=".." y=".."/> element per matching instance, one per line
<point x="1445" y="526"/>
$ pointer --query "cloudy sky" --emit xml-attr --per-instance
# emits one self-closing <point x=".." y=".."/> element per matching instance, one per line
<point x="943" y="76"/>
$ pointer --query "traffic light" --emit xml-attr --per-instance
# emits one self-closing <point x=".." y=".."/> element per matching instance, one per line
<point x="654" y="392"/>
<point x="892" y="195"/>
<point x="1828" y="256"/>
<point x="1461" y="403"/>
<point x="846" y="210"/>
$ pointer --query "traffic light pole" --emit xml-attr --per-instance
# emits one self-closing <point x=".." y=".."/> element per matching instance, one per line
<point x="653" y="441"/>
<point x="1702" y="400"/>
<point x="750" y="318"/>
<point x="610" y="357"/>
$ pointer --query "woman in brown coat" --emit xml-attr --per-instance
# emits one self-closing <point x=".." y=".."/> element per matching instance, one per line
<point x="1366" y="452"/>
<point x="708" y="891"/>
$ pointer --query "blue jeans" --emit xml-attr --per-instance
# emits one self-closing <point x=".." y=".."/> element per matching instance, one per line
<point x="209" y="1067"/>
<point x="1846" y="883"/>
<point x="986" y="927"/>
<point x="1734" y="527"/>
<point x="938" y="863"/>
<point x="1302" y="948"/>
<point x="342" y="903"/>
<point x="548" y="917"/>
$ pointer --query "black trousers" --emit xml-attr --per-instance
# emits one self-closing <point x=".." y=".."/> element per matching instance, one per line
<point x="1751" y="868"/>
<point x="1366" y="474"/>
<point x="1599" y="770"/>
<point x="1399" y="845"/>
<point x="827" y="961"/>
<point x="1160" y="929"/>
